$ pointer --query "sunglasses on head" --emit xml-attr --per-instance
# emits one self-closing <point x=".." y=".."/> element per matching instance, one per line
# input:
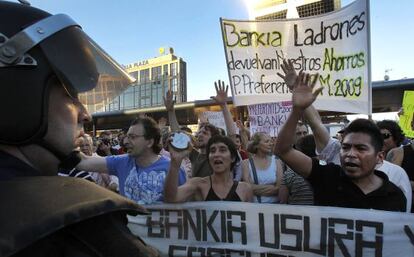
<point x="386" y="135"/>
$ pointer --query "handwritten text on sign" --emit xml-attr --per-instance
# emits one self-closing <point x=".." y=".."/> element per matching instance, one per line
<point x="334" y="45"/>
<point x="268" y="118"/>
<point x="247" y="229"/>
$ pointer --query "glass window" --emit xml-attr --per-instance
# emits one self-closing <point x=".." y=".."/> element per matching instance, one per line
<point x="114" y="105"/>
<point x="165" y="70"/>
<point x="129" y="101"/>
<point x="129" y="90"/>
<point x="165" y="89"/>
<point x="144" y="76"/>
<point x="134" y="74"/>
<point x="137" y="96"/>
<point x="173" y="69"/>
<point x="145" y="96"/>
<point x="121" y="101"/>
<point x="174" y="84"/>
<point x="156" y="73"/>
<point x="157" y="93"/>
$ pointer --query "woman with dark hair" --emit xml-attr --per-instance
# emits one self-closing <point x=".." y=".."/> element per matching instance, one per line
<point x="391" y="133"/>
<point x="262" y="170"/>
<point x="220" y="186"/>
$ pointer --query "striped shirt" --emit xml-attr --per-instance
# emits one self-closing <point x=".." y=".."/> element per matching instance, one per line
<point x="300" y="191"/>
<point x="76" y="174"/>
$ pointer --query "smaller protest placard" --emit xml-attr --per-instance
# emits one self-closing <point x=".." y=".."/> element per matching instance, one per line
<point x="217" y="119"/>
<point x="407" y="118"/>
<point x="268" y="118"/>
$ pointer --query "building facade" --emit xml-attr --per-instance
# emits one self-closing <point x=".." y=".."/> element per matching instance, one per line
<point x="282" y="9"/>
<point x="153" y="79"/>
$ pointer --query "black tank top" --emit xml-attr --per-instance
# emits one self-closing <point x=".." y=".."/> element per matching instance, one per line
<point x="408" y="161"/>
<point x="231" y="196"/>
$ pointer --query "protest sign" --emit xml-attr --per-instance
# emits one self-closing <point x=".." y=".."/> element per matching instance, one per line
<point x="268" y="118"/>
<point x="217" y="119"/>
<point x="248" y="229"/>
<point x="407" y="118"/>
<point x="335" y="45"/>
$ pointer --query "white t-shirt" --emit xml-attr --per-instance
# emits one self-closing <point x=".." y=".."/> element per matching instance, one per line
<point x="399" y="177"/>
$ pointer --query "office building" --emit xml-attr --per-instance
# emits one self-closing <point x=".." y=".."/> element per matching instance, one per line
<point x="282" y="9"/>
<point x="153" y="79"/>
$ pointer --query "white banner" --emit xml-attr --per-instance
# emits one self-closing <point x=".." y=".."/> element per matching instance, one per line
<point x="268" y="118"/>
<point x="248" y="229"/>
<point x="335" y="45"/>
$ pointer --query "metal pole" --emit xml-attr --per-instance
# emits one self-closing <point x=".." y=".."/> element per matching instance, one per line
<point x="369" y="60"/>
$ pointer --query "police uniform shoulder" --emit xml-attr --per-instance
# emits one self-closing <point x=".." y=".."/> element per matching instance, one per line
<point x="39" y="206"/>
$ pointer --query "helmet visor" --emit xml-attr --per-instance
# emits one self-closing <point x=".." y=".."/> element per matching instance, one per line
<point x="84" y="67"/>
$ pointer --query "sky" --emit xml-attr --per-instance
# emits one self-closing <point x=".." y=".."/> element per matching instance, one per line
<point x="134" y="30"/>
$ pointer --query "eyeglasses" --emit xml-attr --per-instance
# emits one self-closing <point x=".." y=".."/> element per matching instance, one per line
<point x="386" y="135"/>
<point x="133" y="136"/>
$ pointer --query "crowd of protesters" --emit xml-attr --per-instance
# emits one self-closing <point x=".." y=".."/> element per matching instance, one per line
<point x="367" y="166"/>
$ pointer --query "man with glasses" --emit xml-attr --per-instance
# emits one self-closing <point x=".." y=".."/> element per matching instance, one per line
<point x="142" y="171"/>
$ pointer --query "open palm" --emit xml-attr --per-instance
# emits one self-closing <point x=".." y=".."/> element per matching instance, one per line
<point x="303" y="94"/>
<point x="290" y="73"/>
<point x="168" y="101"/>
<point x="221" y="92"/>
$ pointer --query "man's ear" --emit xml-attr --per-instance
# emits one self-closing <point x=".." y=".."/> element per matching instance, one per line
<point x="380" y="157"/>
<point x="150" y="143"/>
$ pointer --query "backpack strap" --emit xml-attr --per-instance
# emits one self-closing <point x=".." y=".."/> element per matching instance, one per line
<point x="256" y="180"/>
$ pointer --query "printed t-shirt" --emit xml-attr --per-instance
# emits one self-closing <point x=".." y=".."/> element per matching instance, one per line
<point x="144" y="185"/>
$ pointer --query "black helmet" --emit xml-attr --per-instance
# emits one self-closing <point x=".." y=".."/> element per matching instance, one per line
<point x="36" y="46"/>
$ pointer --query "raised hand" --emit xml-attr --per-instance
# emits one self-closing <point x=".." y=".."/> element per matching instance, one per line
<point x="303" y="94"/>
<point x="290" y="73"/>
<point x="239" y="124"/>
<point x="221" y="92"/>
<point x="168" y="101"/>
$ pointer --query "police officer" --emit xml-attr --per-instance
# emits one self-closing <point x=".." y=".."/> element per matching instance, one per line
<point x="46" y="63"/>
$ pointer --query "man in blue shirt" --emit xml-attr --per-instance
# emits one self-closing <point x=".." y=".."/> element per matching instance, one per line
<point x="142" y="171"/>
